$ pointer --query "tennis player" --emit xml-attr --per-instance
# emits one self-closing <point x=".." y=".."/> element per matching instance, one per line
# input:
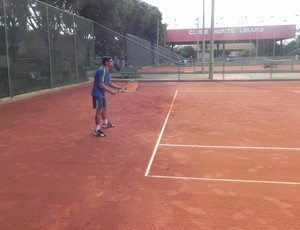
<point x="101" y="85"/>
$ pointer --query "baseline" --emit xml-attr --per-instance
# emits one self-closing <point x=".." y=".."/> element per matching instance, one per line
<point x="239" y="91"/>
<point x="225" y="180"/>
<point x="230" y="147"/>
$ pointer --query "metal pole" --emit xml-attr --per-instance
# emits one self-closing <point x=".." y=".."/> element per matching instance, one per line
<point x="157" y="42"/>
<point x="7" y="50"/>
<point x="274" y="46"/>
<point x="197" y="38"/>
<point x="75" y="48"/>
<point x="211" y="54"/>
<point x="203" y="38"/>
<point x="49" y="49"/>
<point x="256" y="46"/>
<point x="165" y="38"/>
<point x="250" y="46"/>
<point x="93" y="50"/>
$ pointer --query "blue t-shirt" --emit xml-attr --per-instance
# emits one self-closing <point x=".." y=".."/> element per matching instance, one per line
<point x="101" y="75"/>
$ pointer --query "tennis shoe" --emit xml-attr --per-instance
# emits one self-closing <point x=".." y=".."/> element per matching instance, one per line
<point x="108" y="125"/>
<point x="99" y="133"/>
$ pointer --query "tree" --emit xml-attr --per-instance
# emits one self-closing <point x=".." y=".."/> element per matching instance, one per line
<point x="187" y="51"/>
<point x="16" y="20"/>
<point x="115" y="17"/>
<point x="123" y="16"/>
<point x="293" y="48"/>
<point x="68" y="5"/>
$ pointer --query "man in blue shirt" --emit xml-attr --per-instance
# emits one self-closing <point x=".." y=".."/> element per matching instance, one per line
<point x="101" y="85"/>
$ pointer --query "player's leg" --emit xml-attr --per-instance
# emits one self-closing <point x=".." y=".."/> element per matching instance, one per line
<point x="106" y="123"/>
<point x="98" y="118"/>
<point x="103" y="115"/>
<point x="98" y="106"/>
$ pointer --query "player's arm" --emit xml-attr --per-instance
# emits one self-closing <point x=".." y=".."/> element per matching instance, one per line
<point x="106" y="89"/>
<point x="114" y="86"/>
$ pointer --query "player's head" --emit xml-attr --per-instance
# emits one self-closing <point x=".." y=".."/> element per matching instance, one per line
<point x="106" y="60"/>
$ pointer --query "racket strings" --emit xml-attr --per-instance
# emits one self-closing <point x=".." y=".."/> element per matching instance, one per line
<point x="131" y="86"/>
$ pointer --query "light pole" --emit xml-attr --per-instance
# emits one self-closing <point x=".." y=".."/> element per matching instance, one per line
<point x="250" y="45"/>
<point x="165" y="41"/>
<point x="157" y="42"/>
<point x="256" y="45"/>
<point x="211" y="53"/>
<point x="274" y="44"/>
<point x="197" y="38"/>
<point x="203" y="38"/>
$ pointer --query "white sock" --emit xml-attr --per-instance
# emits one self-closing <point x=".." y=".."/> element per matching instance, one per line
<point x="105" y="121"/>
<point x="97" y="127"/>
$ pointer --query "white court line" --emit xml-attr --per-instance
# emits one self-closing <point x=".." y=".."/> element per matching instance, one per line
<point x="226" y="180"/>
<point x="207" y="146"/>
<point x="160" y="136"/>
<point x="237" y="91"/>
<point x="294" y="91"/>
<point x="223" y="91"/>
<point x="229" y="147"/>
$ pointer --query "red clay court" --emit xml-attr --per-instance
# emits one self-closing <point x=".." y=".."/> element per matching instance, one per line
<point x="183" y="155"/>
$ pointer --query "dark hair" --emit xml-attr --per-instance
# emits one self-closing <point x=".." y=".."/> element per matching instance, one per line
<point x="105" y="59"/>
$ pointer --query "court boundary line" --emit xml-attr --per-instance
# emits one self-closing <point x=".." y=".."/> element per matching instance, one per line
<point x="224" y="180"/>
<point x="221" y="91"/>
<point x="160" y="136"/>
<point x="239" y="91"/>
<point x="231" y="147"/>
<point x="147" y="173"/>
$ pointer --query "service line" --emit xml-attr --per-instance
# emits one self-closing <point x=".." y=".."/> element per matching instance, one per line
<point x="160" y="136"/>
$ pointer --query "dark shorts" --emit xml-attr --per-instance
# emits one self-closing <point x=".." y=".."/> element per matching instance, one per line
<point x="99" y="102"/>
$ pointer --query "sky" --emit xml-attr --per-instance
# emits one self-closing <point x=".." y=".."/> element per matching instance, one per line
<point x="228" y="13"/>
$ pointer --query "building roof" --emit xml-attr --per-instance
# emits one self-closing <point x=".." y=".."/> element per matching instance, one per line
<point x="232" y="34"/>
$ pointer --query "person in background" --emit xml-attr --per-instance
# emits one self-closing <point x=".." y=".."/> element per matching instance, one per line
<point x="191" y="60"/>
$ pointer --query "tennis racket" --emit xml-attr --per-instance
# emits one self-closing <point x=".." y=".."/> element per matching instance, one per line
<point x="130" y="87"/>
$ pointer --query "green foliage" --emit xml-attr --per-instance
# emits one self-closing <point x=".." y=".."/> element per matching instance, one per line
<point x="187" y="51"/>
<point x="123" y="16"/>
<point x="293" y="48"/>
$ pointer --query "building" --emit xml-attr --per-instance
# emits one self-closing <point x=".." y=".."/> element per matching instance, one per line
<point x="224" y="36"/>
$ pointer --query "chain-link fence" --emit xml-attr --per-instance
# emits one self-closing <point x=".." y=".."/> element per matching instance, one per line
<point x="42" y="47"/>
<point x="156" y="62"/>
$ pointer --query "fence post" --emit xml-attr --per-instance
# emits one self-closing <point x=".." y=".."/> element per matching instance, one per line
<point x="223" y="70"/>
<point x="75" y="49"/>
<point x="178" y="71"/>
<point x="271" y="70"/>
<point x="93" y="50"/>
<point x="7" y="50"/>
<point x="49" y="49"/>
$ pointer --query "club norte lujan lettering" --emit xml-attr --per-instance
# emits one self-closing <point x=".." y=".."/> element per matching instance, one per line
<point x="241" y="30"/>
<point x="241" y="33"/>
